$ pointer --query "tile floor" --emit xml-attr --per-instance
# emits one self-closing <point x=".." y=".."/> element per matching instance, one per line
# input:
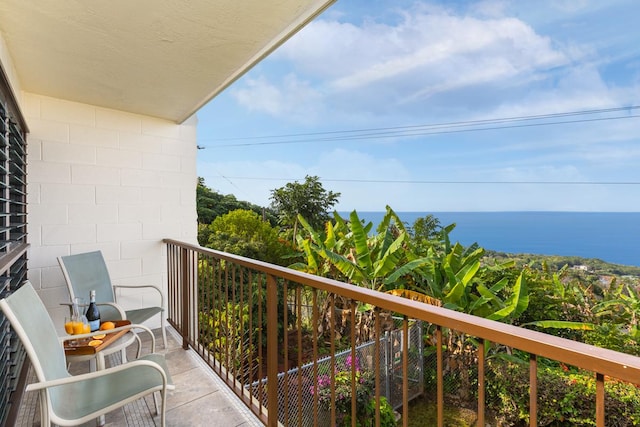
<point x="199" y="399"/>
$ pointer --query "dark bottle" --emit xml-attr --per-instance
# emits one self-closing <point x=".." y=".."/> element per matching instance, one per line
<point x="93" y="314"/>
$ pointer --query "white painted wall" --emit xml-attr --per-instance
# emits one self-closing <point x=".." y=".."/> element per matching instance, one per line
<point x="108" y="180"/>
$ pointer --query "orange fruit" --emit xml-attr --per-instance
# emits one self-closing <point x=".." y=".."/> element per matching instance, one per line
<point x="95" y="343"/>
<point x="107" y="325"/>
<point x="99" y="336"/>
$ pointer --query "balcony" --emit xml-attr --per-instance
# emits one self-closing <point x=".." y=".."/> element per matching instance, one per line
<point x="257" y="324"/>
<point x="225" y="349"/>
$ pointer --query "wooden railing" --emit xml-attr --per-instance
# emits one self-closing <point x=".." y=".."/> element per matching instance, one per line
<point x="232" y="311"/>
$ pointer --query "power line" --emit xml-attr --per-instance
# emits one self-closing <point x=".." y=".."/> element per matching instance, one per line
<point x="428" y="129"/>
<point x="437" y="182"/>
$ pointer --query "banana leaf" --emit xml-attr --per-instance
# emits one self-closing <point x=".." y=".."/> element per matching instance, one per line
<point x="517" y="302"/>
<point x="360" y="240"/>
<point x="389" y="260"/>
<point x="562" y="324"/>
<point x="469" y="272"/>
<point x="415" y="296"/>
<point x="407" y="268"/>
<point x="330" y="241"/>
<point x="487" y="295"/>
<point x="345" y="266"/>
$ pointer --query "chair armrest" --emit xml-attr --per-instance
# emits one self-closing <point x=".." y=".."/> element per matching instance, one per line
<point x="64" y="338"/>
<point x="96" y="374"/>
<point x="137" y="287"/>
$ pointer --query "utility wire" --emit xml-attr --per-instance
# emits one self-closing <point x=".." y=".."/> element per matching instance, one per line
<point x="427" y="129"/>
<point x="390" y="181"/>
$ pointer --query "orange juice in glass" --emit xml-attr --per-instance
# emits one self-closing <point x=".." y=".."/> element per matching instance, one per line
<point x="68" y="325"/>
<point x="78" y="327"/>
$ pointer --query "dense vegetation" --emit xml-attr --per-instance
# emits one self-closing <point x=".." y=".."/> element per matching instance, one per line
<point x="581" y="299"/>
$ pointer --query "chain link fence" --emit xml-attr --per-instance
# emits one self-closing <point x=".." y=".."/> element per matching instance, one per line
<point x="297" y="404"/>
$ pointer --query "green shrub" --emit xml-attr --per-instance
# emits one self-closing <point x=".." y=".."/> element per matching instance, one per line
<point x="387" y="416"/>
<point x="566" y="397"/>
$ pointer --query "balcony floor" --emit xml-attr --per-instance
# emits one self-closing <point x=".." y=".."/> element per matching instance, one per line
<point x="199" y="399"/>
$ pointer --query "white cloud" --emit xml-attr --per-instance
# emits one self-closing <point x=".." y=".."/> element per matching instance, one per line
<point x="448" y="52"/>
<point x="343" y="71"/>
<point x="290" y="97"/>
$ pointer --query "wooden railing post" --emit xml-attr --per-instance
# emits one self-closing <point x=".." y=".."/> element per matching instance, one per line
<point x="185" y="282"/>
<point x="272" y="351"/>
<point x="533" y="390"/>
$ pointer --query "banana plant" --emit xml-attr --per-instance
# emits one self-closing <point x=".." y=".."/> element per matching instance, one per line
<point x="623" y="308"/>
<point x="451" y="273"/>
<point x="385" y="261"/>
<point x="359" y="258"/>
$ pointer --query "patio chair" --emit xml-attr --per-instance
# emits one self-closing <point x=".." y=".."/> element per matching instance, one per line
<point x="86" y="271"/>
<point x="68" y="400"/>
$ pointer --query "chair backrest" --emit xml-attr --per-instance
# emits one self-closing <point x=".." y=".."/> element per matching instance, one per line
<point x="33" y="325"/>
<point x="86" y="272"/>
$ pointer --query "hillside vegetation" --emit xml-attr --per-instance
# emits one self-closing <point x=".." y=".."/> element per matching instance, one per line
<point x="590" y="266"/>
<point x="585" y="300"/>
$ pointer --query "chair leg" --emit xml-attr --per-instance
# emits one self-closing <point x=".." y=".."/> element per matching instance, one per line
<point x="44" y="409"/>
<point x="164" y="332"/>
<point x="163" y="411"/>
<point x="155" y="401"/>
<point x="139" y="349"/>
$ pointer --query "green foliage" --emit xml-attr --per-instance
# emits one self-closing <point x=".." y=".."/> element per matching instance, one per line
<point x="456" y="275"/>
<point x="244" y="233"/>
<point x="347" y="252"/>
<point x="365" y="400"/>
<point x="211" y="204"/>
<point x="388" y="260"/>
<point x="387" y="415"/>
<point x="424" y="412"/>
<point x="565" y="397"/>
<point x="613" y="337"/>
<point x="309" y="200"/>
<point x="232" y="307"/>
<point x="558" y="304"/>
<point x="561" y="304"/>
<point x="594" y="266"/>
<point x="220" y="331"/>
<point x="425" y="231"/>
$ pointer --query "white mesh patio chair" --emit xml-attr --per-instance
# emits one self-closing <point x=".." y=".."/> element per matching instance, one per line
<point x="68" y="400"/>
<point x="87" y="271"/>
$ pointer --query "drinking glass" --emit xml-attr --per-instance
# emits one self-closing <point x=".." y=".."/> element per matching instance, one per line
<point x="86" y="328"/>
<point x="76" y="323"/>
<point x="68" y="325"/>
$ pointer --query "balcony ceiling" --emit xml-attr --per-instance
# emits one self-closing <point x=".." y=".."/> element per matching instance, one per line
<point x="162" y="58"/>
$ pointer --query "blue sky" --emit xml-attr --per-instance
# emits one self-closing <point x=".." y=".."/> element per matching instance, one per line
<point x="353" y="98"/>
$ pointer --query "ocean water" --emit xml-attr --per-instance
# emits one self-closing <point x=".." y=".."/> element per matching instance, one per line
<point x="610" y="236"/>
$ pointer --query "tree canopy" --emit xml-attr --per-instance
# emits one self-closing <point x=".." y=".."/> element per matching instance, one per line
<point x="308" y="199"/>
<point x="243" y="232"/>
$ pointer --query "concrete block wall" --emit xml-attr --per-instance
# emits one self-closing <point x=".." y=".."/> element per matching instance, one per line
<point x="107" y="180"/>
